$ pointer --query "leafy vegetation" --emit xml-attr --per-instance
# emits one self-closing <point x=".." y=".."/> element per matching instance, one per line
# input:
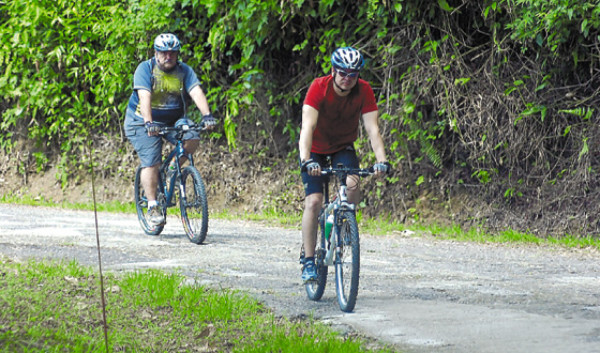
<point x="489" y="104"/>
<point x="56" y="307"/>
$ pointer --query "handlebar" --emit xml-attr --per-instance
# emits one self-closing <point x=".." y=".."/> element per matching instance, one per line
<point x="343" y="170"/>
<point x="183" y="128"/>
<point x="347" y="170"/>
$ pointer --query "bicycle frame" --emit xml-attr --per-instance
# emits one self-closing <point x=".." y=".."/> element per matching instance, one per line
<point x="342" y="248"/>
<point x="336" y="206"/>
<point x="169" y="185"/>
<point x="192" y="192"/>
<point x="177" y="153"/>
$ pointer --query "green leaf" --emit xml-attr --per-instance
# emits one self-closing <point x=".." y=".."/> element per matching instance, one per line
<point x="462" y="81"/>
<point x="584" y="149"/>
<point x="444" y="6"/>
<point x="420" y="180"/>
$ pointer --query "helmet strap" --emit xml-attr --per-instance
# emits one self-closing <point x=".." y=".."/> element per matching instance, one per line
<point x="336" y="85"/>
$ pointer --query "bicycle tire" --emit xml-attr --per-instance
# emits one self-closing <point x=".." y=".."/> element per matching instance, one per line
<point x="194" y="206"/>
<point x="141" y="204"/>
<point x="315" y="289"/>
<point x="347" y="262"/>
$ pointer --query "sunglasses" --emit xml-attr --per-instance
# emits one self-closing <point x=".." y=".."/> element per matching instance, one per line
<point x="344" y="74"/>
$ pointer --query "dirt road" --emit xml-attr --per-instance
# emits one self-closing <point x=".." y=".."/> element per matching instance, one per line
<point x="417" y="293"/>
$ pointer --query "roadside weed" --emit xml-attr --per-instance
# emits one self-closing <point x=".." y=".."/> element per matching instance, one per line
<point x="374" y="226"/>
<point x="56" y="307"/>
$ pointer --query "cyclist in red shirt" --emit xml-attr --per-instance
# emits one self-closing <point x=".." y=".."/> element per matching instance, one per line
<point x="331" y="112"/>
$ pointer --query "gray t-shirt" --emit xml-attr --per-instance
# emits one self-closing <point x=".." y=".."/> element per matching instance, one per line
<point x="170" y="90"/>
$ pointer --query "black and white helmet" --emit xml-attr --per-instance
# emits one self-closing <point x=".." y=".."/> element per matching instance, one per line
<point x="167" y="42"/>
<point x="347" y="58"/>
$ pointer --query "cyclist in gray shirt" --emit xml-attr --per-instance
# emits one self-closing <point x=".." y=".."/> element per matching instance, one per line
<point x="162" y="88"/>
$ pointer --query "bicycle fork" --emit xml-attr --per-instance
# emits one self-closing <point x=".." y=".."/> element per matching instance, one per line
<point x="335" y="237"/>
<point x="177" y="154"/>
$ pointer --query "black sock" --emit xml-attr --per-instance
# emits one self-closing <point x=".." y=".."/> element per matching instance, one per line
<point x="311" y="259"/>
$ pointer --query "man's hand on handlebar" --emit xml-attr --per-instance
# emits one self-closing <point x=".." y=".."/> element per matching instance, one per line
<point x="152" y="128"/>
<point x="209" y="121"/>
<point x="311" y="167"/>
<point x="382" y="168"/>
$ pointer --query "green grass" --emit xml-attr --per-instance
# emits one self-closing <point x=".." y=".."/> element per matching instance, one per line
<point x="381" y="226"/>
<point x="56" y="307"/>
<point x="476" y="234"/>
<point x="114" y="206"/>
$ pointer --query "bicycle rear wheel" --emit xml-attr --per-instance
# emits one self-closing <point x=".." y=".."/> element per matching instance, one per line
<point x="347" y="263"/>
<point x="194" y="207"/>
<point x="315" y="289"/>
<point x="141" y="204"/>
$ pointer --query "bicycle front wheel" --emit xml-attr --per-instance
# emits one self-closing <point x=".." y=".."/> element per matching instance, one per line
<point x="141" y="204"/>
<point x="193" y="204"/>
<point x="315" y="289"/>
<point x="347" y="262"/>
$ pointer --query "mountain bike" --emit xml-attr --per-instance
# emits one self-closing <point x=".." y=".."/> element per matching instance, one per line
<point x="338" y="242"/>
<point x="187" y="182"/>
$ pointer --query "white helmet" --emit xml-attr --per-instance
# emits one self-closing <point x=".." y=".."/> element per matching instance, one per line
<point x="167" y="42"/>
<point x="347" y="58"/>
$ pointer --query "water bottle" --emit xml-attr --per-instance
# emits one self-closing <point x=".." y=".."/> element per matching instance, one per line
<point x="328" y="226"/>
<point x="172" y="167"/>
<point x="330" y="247"/>
<point x="171" y="171"/>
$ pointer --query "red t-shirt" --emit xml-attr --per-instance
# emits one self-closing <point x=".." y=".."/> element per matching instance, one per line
<point x="337" y="126"/>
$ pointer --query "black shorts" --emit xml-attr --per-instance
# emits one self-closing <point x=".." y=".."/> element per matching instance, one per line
<point x="314" y="184"/>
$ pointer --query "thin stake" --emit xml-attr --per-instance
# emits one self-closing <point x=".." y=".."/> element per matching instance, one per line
<point x="98" y="247"/>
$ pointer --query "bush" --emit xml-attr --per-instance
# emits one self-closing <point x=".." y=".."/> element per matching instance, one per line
<point x="493" y="96"/>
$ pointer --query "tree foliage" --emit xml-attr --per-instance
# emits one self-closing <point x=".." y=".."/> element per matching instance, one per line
<point x="495" y="97"/>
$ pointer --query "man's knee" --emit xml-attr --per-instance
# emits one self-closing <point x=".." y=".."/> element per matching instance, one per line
<point x="313" y="202"/>
<point x="352" y="183"/>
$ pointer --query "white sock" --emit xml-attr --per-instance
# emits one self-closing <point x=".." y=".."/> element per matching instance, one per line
<point x="152" y="203"/>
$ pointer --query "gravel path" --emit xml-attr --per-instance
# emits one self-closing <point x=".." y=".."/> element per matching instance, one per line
<point x="418" y="294"/>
